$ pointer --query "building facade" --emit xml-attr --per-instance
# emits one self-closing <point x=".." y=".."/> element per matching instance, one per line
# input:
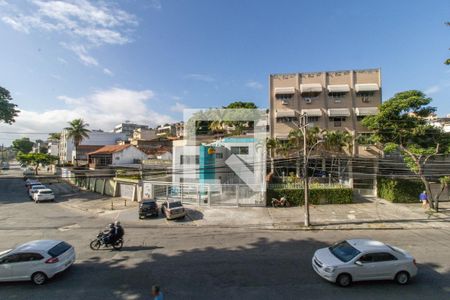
<point x="128" y="128"/>
<point x="332" y="100"/>
<point x="113" y="155"/>
<point x="96" y="138"/>
<point x="170" y="130"/>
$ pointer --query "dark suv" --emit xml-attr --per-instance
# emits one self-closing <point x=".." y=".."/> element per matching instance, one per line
<point x="148" y="208"/>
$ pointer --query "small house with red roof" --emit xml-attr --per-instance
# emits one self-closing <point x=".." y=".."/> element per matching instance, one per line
<point x="111" y="155"/>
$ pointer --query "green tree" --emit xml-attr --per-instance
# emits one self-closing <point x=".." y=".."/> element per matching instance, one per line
<point x="272" y="145"/>
<point x="78" y="132"/>
<point x="36" y="159"/>
<point x="8" y="110"/>
<point x="240" y="104"/>
<point x="23" y="145"/>
<point x="54" y="136"/>
<point x="296" y="141"/>
<point x="401" y="125"/>
<point x="337" y="143"/>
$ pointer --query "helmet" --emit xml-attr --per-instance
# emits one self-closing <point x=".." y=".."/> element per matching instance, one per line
<point x="117" y="223"/>
<point x="111" y="225"/>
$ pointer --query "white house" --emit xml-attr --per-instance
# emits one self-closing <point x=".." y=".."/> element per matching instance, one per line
<point x="112" y="155"/>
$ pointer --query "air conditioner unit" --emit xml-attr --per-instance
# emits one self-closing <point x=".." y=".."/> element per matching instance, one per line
<point x="308" y="100"/>
<point x="284" y="102"/>
<point x="365" y="99"/>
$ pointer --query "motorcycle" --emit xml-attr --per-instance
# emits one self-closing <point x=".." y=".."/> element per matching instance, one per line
<point x="282" y="202"/>
<point x="100" y="241"/>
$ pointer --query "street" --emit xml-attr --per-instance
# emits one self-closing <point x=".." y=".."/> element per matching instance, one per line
<point x="204" y="263"/>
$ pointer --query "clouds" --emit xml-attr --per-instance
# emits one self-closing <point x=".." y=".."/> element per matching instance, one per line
<point x="254" y="85"/>
<point x="200" y="77"/>
<point x="82" y="24"/>
<point x="102" y="110"/>
<point x="178" y="107"/>
<point x="432" y="89"/>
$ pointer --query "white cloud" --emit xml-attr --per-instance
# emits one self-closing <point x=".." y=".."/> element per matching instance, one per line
<point x="200" y="77"/>
<point x="432" y="89"/>
<point x="82" y="54"/>
<point x="178" y="107"/>
<point x="254" y="85"/>
<point x="62" y="60"/>
<point x="108" y="72"/>
<point x="102" y="110"/>
<point x="84" y="24"/>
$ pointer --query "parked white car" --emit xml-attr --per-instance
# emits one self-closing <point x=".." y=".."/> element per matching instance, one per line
<point x="36" y="188"/>
<point x="43" y="195"/>
<point x="29" y="182"/>
<point x="36" y="261"/>
<point x="363" y="259"/>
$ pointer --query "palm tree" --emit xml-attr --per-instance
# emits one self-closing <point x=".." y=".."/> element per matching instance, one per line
<point x="337" y="143"/>
<point x="54" y="136"/>
<point x="78" y="132"/>
<point x="296" y="140"/>
<point x="272" y="145"/>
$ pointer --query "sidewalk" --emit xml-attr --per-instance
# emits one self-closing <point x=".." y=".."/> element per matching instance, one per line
<point x="370" y="213"/>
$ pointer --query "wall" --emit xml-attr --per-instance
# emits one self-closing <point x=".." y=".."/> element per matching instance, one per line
<point x="128" y="156"/>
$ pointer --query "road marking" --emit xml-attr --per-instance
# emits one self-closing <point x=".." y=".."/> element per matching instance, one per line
<point x="69" y="227"/>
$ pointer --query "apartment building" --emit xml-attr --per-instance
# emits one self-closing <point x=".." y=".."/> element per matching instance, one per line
<point x="128" y="128"/>
<point x="170" y="130"/>
<point x="333" y="100"/>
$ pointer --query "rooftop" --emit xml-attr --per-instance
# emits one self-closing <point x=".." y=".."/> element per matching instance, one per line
<point x="367" y="245"/>
<point x="110" y="149"/>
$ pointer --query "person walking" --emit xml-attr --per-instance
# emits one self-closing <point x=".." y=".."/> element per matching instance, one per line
<point x="424" y="198"/>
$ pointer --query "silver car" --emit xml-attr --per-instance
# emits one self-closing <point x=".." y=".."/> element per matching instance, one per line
<point x="35" y="188"/>
<point x="43" y="195"/>
<point x="36" y="261"/>
<point x="363" y="259"/>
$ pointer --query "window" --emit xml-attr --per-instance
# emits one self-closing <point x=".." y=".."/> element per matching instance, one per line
<point x="313" y="119"/>
<point x="336" y="96"/>
<point x="337" y="121"/>
<point x="286" y="119"/>
<point x="219" y="155"/>
<point x="239" y="150"/>
<point x="344" y="251"/>
<point x="383" y="256"/>
<point x="284" y="96"/>
<point x="189" y="159"/>
<point x="367" y="258"/>
<point x="59" y="249"/>
<point x="365" y="94"/>
<point x="360" y="118"/>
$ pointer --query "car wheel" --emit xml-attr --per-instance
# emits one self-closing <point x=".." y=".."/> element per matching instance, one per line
<point x="344" y="280"/>
<point x="402" y="277"/>
<point x="39" y="278"/>
<point x="141" y="217"/>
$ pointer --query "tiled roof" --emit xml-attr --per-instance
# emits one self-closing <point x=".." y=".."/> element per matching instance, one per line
<point x="110" y="149"/>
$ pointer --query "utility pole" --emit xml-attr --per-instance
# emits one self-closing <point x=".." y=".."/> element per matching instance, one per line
<point x="303" y="125"/>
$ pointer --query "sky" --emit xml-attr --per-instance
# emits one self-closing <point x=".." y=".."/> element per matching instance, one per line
<point x="147" y="60"/>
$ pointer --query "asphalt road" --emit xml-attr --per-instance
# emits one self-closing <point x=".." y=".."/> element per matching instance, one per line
<point x="204" y="263"/>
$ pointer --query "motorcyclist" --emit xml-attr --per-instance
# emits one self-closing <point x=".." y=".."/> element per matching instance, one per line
<point x="109" y="234"/>
<point x="118" y="231"/>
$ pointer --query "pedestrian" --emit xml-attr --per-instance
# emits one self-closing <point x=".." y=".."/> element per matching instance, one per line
<point x="156" y="293"/>
<point x="424" y="198"/>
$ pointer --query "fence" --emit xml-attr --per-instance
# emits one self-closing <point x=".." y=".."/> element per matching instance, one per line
<point x="205" y="194"/>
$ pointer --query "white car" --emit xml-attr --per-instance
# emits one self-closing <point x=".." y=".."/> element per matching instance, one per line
<point x="36" y="261"/>
<point x="35" y="188"/>
<point x="361" y="260"/>
<point x="43" y="195"/>
<point x="29" y="182"/>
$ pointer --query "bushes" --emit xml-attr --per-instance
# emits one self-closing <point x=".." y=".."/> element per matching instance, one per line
<point x="400" y="190"/>
<point x="316" y="195"/>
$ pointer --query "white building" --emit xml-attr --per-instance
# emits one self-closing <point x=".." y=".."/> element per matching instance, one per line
<point x="113" y="155"/>
<point x="53" y="148"/>
<point x="96" y="138"/>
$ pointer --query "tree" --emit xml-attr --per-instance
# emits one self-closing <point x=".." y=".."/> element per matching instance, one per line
<point x="296" y="141"/>
<point x="36" y="159"/>
<point x="337" y="143"/>
<point x="54" y="136"/>
<point x="78" y="132"/>
<point x="23" y="145"/>
<point x="8" y="110"/>
<point x="272" y="145"/>
<point x="401" y="126"/>
<point x="240" y="104"/>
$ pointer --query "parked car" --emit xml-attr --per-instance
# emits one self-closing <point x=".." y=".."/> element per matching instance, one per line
<point x="33" y="184"/>
<point x="28" y="171"/>
<point x="173" y="209"/>
<point x="5" y="165"/>
<point x="148" y="208"/>
<point x="37" y="261"/>
<point x="29" y="181"/>
<point x="361" y="260"/>
<point x="35" y="188"/>
<point x="43" y="195"/>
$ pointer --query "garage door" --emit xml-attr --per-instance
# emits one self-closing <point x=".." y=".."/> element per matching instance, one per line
<point x="126" y="190"/>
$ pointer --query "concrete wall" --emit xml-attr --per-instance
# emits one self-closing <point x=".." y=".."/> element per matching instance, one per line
<point x="128" y="156"/>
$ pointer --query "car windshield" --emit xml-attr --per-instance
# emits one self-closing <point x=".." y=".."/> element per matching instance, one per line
<point x="59" y="249"/>
<point x="150" y="204"/>
<point x="344" y="251"/>
<point x="175" y="204"/>
<point x="38" y="187"/>
<point x="5" y="252"/>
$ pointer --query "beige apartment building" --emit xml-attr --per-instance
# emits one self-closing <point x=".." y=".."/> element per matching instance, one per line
<point x="333" y="100"/>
